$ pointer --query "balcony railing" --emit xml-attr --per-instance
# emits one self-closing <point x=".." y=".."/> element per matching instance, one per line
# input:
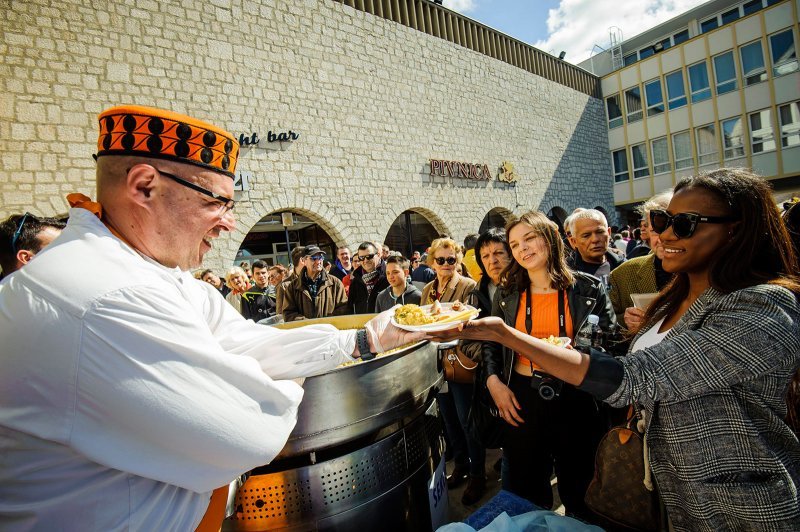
<point x="435" y="20"/>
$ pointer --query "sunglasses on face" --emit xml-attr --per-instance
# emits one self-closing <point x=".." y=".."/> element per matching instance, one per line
<point x="441" y="260"/>
<point x="366" y="257"/>
<point x="18" y="232"/>
<point x="683" y="224"/>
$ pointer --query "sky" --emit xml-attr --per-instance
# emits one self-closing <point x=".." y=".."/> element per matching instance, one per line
<point x="572" y="26"/>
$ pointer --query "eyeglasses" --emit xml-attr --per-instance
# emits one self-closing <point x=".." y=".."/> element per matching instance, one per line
<point x="366" y="257"/>
<point x="18" y="232"/>
<point x="449" y="260"/>
<point x="317" y="257"/>
<point x="226" y="204"/>
<point x="683" y="224"/>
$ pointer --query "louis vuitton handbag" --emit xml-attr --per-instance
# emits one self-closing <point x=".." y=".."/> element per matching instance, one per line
<point x="622" y="490"/>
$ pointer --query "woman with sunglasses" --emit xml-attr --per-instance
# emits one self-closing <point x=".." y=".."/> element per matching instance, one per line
<point x="541" y="297"/>
<point x="445" y="257"/>
<point x="712" y="362"/>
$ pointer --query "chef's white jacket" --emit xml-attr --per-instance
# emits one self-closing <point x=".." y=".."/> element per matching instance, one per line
<point x="129" y="391"/>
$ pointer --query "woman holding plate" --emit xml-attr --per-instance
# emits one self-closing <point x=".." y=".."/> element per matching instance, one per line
<point x="445" y="257"/>
<point x="712" y="362"/>
<point x="542" y="297"/>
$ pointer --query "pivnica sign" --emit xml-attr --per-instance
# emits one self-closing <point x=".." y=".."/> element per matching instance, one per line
<point x="253" y="139"/>
<point x="455" y="169"/>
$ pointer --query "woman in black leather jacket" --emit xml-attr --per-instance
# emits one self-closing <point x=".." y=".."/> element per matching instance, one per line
<point x="562" y="431"/>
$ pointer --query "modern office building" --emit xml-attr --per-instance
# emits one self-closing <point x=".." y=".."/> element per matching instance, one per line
<point x="716" y="86"/>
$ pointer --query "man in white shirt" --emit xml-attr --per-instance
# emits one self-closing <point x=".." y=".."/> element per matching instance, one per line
<point x="130" y="391"/>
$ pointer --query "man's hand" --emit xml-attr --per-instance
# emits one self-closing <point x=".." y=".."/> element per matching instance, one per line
<point x="634" y="317"/>
<point x="505" y="400"/>
<point x="383" y="336"/>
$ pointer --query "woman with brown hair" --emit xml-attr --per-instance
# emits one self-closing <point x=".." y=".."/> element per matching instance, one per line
<point x="712" y="362"/>
<point x="542" y="297"/>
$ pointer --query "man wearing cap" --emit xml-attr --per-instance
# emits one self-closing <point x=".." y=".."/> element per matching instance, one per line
<point x="130" y="391"/>
<point x="313" y="293"/>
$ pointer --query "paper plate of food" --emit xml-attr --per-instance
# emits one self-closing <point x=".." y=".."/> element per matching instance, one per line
<point x="432" y="318"/>
<point x="560" y="341"/>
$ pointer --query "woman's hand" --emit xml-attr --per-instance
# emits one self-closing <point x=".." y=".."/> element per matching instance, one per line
<point x="488" y="329"/>
<point x="634" y="317"/>
<point x="504" y="399"/>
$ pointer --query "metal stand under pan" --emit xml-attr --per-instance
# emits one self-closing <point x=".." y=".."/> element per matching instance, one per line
<point x="394" y="483"/>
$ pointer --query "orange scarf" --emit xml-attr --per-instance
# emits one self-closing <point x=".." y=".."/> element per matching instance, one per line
<point x="215" y="513"/>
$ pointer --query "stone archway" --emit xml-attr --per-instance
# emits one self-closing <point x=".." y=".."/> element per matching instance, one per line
<point x="413" y="230"/>
<point x="558" y="215"/>
<point x="496" y="217"/>
<point x="269" y="240"/>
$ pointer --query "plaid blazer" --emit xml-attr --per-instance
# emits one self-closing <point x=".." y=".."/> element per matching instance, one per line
<point x="714" y="391"/>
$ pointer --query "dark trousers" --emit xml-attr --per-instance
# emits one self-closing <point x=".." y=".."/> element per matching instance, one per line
<point x="454" y="407"/>
<point x="561" y="433"/>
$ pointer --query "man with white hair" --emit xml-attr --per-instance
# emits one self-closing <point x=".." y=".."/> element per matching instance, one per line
<point x="589" y="237"/>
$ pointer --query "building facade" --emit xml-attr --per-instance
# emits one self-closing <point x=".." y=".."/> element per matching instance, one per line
<point x="717" y="86"/>
<point x="340" y="109"/>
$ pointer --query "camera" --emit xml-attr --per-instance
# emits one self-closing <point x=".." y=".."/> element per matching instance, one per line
<point x="548" y="386"/>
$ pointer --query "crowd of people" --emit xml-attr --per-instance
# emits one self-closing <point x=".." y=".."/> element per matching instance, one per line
<point x="701" y="302"/>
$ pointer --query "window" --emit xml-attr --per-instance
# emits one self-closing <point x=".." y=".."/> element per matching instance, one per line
<point x="675" y="90"/>
<point x="639" y="158"/>
<point x="630" y="59"/>
<point x="698" y="82"/>
<point x="664" y="44"/>
<point x="753" y="70"/>
<point x="751" y="7"/>
<point x="620" y="166"/>
<point x="614" y="111"/>
<point x="761" y="136"/>
<point x="790" y="124"/>
<point x="784" y="53"/>
<point x="660" y="155"/>
<point x="633" y="104"/>
<point x="730" y="16"/>
<point x="681" y="36"/>
<point x="732" y="138"/>
<point x="646" y="52"/>
<point x="682" y="150"/>
<point x="708" y="25"/>
<point x="725" y="73"/>
<point x="655" y="100"/>
<point x="706" y="145"/>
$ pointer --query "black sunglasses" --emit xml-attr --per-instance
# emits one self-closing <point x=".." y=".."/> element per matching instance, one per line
<point x="18" y="232"/>
<point x="366" y="257"/>
<point x="227" y="204"/>
<point x="683" y="224"/>
<point x="449" y="260"/>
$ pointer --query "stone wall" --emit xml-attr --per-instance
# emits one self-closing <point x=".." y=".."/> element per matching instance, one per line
<point x="372" y="100"/>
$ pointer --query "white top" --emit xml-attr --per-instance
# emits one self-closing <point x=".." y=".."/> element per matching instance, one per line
<point x="129" y="391"/>
<point x="650" y="337"/>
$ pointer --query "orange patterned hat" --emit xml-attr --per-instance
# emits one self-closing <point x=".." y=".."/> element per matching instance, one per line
<point x="150" y="132"/>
